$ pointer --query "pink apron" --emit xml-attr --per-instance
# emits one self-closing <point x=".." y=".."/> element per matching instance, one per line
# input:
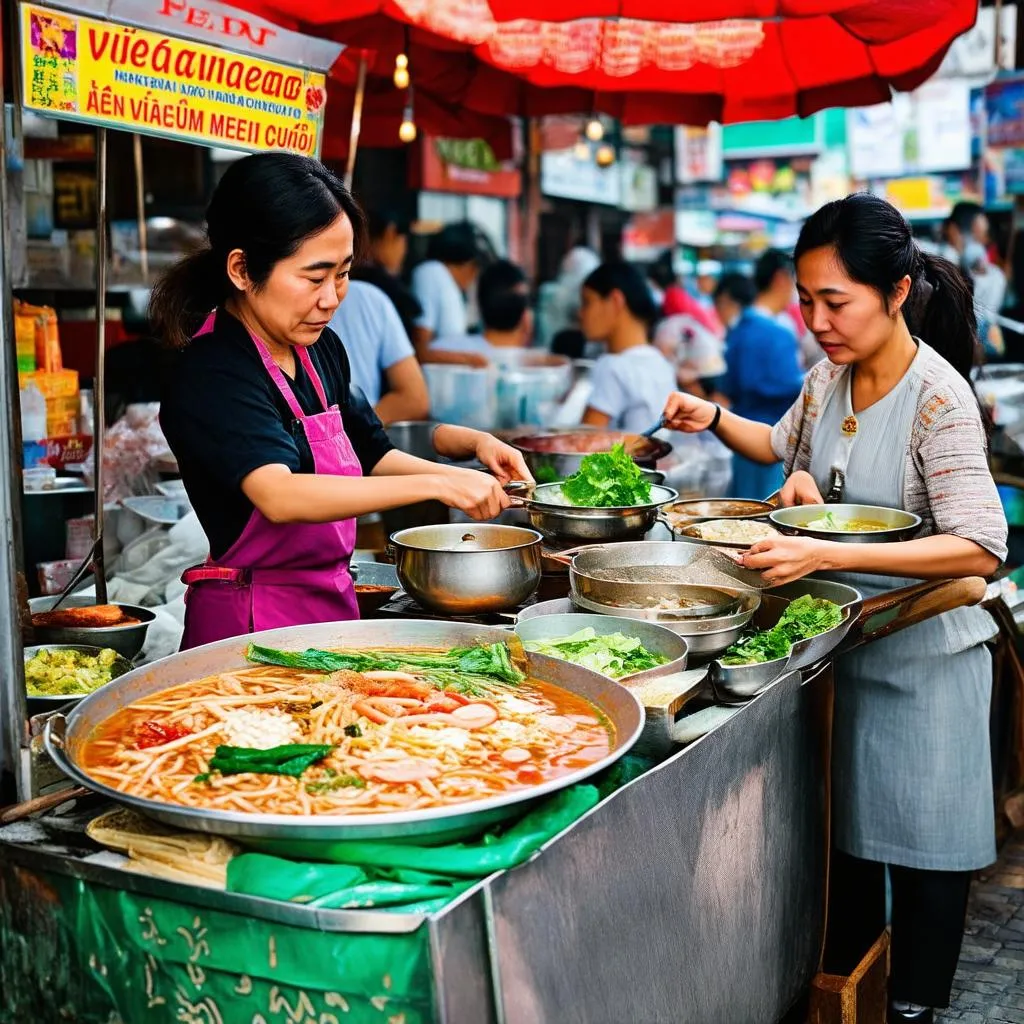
<point x="280" y="574"/>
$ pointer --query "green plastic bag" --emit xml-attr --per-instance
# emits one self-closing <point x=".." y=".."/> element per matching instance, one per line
<point x="398" y="875"/>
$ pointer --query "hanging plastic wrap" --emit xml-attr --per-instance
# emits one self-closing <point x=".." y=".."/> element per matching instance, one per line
<point x="130" y="448"/>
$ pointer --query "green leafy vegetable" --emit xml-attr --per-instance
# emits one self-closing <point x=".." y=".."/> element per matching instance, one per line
<point x="805" y="617"/>
<point x="608" y="480"/>
<point x="289" y="759"/>
<point x="469" y="670"/>
<point x="353" y="730"/>
<point x="614" y="655"/>
<point x="336" y="782"/>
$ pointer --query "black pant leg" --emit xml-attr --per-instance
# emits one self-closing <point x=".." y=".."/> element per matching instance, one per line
<point x="928" y="912"/>
<point x="856" y="911"/>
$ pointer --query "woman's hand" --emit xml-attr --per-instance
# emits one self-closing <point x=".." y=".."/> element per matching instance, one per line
<point x="800" y="489"/>
<point x="504" y="461"/>
<point x="687" y="413"/>
<point x="479" y="495"/>
<point x="784" y="559"/>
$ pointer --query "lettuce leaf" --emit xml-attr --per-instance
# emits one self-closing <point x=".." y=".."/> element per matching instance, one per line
<point x="614" y="655"/>
<point x="608" y="480"/>
<point x="805" y="617"/>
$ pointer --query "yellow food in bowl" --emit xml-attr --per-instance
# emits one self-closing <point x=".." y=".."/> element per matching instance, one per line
<point x="68" y="673"/>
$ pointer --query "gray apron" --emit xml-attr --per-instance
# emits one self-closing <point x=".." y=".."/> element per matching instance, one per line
<point x="911" y="769"/>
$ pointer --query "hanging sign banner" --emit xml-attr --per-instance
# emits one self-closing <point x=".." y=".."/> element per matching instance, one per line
<point x="121" y="76"/>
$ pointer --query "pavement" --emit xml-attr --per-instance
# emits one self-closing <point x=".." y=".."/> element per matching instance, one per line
<point x="989" y="985"/>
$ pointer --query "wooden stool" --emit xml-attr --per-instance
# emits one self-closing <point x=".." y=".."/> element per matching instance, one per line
<point x="858" y="999"/>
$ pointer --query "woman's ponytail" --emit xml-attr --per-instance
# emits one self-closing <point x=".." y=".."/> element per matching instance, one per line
<point x="185" y="295"/>
<point x="940" y="309"/>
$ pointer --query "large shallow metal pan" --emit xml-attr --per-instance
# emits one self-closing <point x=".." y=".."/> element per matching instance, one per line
<point x="738" y="683"/>
<point x="558" y="521"/>
<point x="699" y="510"/>
<point x="65" y="736"/>
<point x="656" y="639"/>
<point x="556" y="454"/>
<point x="900" y="525"/>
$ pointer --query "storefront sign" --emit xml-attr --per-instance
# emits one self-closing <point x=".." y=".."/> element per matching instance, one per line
<point x="467" y="167"/>
<point x="1004" y="99"/>
<point x="566" y="175"/>
<point x="698" y="154"/>
<point x="120" y="76"/>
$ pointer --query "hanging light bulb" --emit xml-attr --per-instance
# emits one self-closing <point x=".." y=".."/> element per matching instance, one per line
<point x="594" y="130"/>
<point x="407" y="129"/>
<point x="581" y="151"/>
<point x="401" y="76"/>
<point x="605" y="155"/>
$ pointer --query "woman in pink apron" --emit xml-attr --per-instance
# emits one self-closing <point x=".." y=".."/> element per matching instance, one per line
<point x="278" y="452"/>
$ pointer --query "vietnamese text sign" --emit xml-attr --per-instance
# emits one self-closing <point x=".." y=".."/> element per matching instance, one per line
<point x="124" y="77"/>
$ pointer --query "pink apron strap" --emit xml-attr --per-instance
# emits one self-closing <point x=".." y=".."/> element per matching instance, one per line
<point x="307" y="362"/>
<point x="278" y="377"/>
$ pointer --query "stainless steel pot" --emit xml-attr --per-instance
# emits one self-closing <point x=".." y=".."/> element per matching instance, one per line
<point x="468" y="569"/>
<point x="655" y="638"/>
<point x="126" y="640"/>
<point x="556" y="454"/>
<point x="571" y="522"/>
<point x="65" y="737"/>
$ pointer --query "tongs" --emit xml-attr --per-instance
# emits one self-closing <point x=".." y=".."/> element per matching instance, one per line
<point x="651" y="431"/>
<point x="80" y="574"/>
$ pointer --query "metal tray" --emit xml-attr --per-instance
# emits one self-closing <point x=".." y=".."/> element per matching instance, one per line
<point x="738" y="683"/>
<point x="64" y="736"/>
<point x="688" y="533"/>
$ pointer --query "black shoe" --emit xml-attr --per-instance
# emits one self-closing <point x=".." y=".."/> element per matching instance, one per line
<point x="926" y="1015"/>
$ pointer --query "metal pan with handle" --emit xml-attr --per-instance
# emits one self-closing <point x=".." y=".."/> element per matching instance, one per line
<point x="550" y="516"/>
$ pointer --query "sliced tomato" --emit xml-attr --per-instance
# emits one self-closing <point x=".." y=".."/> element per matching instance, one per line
<point x="155" y="734"/>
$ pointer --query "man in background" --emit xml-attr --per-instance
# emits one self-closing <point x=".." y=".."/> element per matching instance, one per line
<point x="383" y="363"/>
<point x="763" y="374"/>
<point x="389" y="243"/>
<point x="440" y="284"/>
<point x="503" y="295"/>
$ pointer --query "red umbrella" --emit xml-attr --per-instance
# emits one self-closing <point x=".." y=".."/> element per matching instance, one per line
<point x="742" y="60"/>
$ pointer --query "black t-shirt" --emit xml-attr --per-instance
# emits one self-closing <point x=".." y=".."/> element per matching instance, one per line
<point x="224" y="417"/>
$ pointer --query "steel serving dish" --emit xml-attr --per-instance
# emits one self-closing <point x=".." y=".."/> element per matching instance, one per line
<point x="558" y="521"/>
<point x="900" y="525"/>
<point x="126" y="640"/>
<point x="734" y="684"/>
<point x="66" y="735"/>
<point x="468" y="569"/>
<point x="692" y="533"/>
<point x="656" y="639"/>
<point x="699" y="510"/>
<point x="42" y="705"/>
<point x="555" y="454"/>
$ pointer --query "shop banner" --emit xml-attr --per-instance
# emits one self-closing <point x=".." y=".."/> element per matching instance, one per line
<point x="120" y="76"/>
<point x="1004" y="100"/>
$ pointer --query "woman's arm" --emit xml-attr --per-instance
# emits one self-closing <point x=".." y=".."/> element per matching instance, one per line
<point x="690" y="415"/>
<point x="286" y="497"/>
<point x="784" y="559"/>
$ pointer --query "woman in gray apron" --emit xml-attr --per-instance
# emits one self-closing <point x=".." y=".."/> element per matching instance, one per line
<point x="891" y="419"/>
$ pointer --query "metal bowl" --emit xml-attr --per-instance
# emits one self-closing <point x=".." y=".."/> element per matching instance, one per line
<point x="556" y="454"/>
<point x="736" y="684"/>
<point x="126" y="640"/>
<point x="699" y="510"/>
<point x="900" y="525"/>
<point x="655" y="638"/>
<point x="308" y="836"/>
<point x="460" y="569"/>
<point x="41" y="705"/>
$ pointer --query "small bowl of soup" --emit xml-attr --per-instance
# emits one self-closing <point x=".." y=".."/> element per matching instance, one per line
<point x="851" y="524"/>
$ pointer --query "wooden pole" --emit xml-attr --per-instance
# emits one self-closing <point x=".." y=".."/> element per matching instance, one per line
<point x="98" y="411"/>
<point x="357" y="122"/>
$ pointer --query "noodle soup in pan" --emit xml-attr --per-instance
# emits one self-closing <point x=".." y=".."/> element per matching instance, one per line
<point x="285" y="739"/>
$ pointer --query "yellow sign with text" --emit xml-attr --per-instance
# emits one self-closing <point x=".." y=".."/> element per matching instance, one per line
<point x="118" y="76"/>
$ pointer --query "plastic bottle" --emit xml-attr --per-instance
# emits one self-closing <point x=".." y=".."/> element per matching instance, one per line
<point x="33" y="424"/>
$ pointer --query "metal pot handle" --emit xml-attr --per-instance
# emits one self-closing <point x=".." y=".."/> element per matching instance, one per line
<point x="54" y="736"/>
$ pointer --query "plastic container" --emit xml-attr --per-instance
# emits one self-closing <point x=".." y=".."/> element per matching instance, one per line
<point x="33" y="426"/>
